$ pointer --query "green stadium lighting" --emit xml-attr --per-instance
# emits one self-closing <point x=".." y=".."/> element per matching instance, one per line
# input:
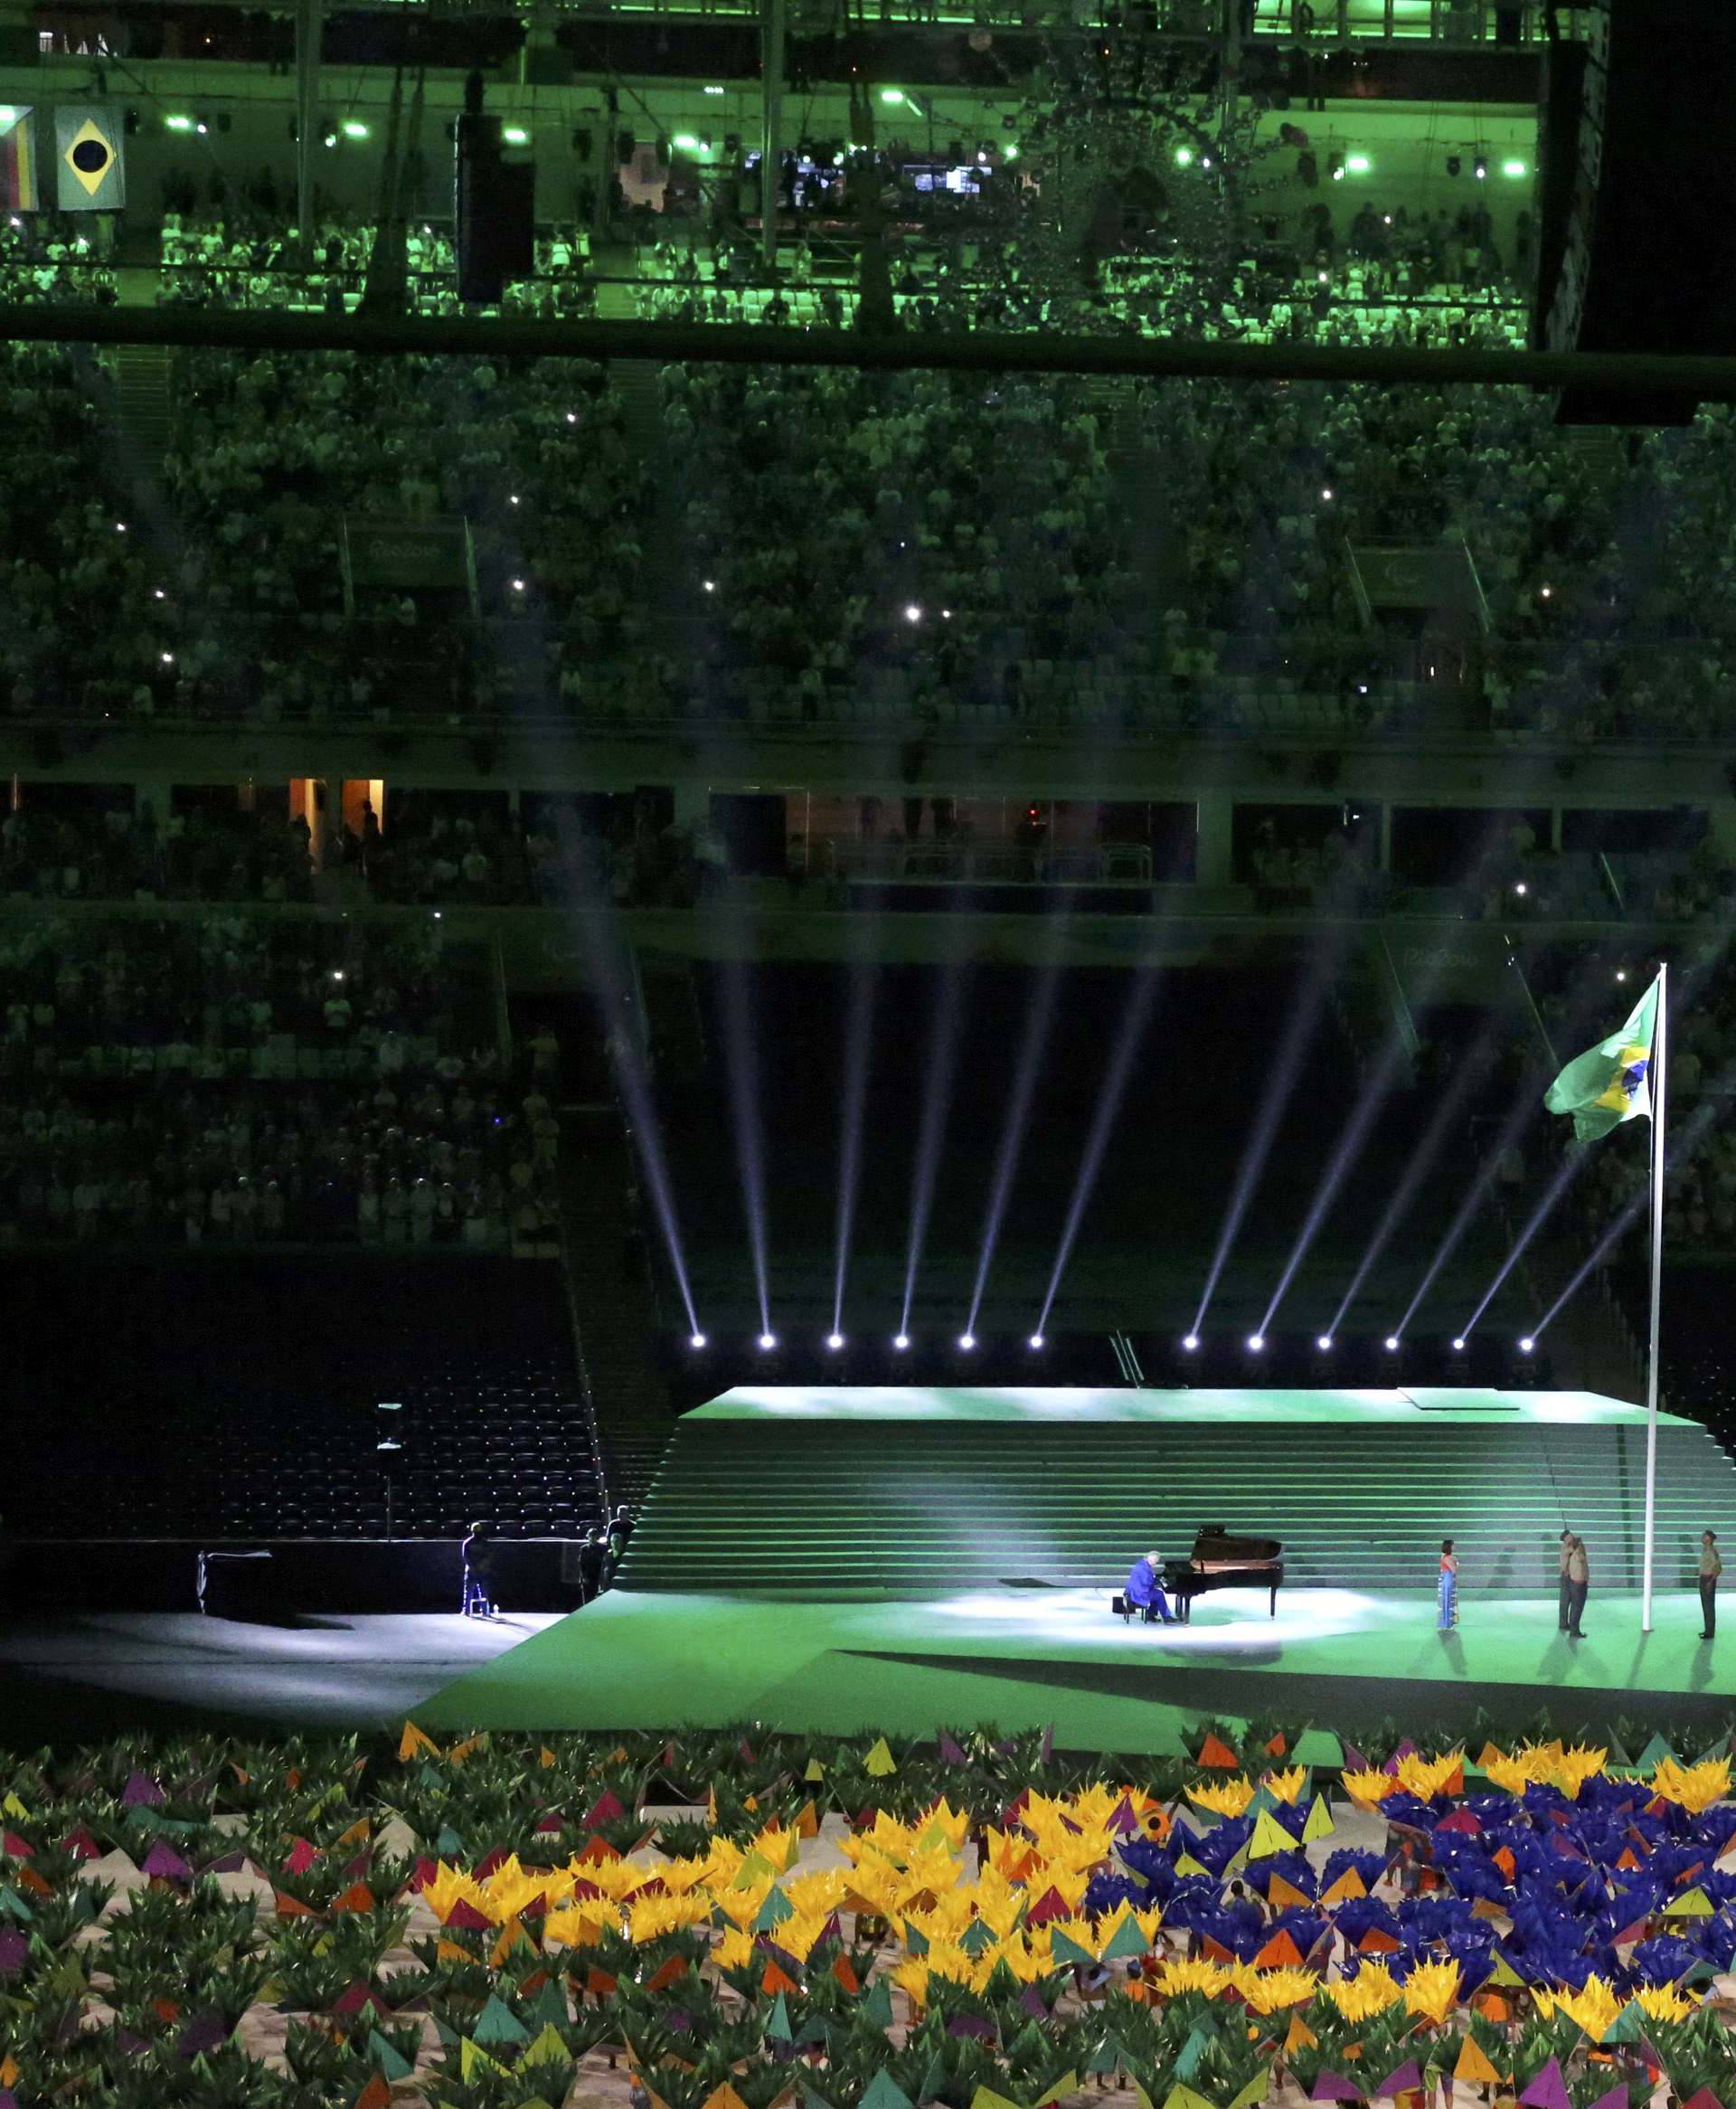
<point x="892" y="95"/>
<point x="516" y="136"/>
<point x="179" y="124"/>
<point x="685" y="143"/>
<point x="354" y="129"/>
<point x="1184" y="157"/>
<point x="1358" y="164"/>
<point x="1515" y="168"/>
<point x="712" y="87"/>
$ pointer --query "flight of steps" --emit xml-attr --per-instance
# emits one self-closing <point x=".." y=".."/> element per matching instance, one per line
<point x="818" y="1506"/>
<point x="143" y="400"/>
<point x="611" y="1302"/>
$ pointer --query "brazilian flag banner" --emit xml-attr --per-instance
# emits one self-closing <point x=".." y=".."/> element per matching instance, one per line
<point x="1612" y="1081"/>
<point x="92" y="175"/>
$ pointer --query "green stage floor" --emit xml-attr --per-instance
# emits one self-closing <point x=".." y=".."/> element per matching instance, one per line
<point x="1029" y="1656"/>
<point x="1414" y="1406"/>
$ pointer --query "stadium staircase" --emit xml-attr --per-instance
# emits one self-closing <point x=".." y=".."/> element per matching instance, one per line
<point x="845" y="1506"/>
<point x="143" y="400"/>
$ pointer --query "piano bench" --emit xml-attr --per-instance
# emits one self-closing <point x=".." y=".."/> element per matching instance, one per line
<point x="1121" y="1608"/>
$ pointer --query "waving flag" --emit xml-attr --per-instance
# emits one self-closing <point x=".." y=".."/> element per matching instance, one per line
<point x="18" y="191"/>
<point x="1612" y="1081"/>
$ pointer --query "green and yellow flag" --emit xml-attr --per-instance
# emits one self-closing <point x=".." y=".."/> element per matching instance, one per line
<point x="1612" y="1081"/>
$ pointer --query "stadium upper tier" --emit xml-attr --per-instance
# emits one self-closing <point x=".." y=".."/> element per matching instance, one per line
<point x="479" y="543"/>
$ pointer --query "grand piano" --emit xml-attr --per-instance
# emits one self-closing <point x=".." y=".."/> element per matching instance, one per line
<point x="1222" y="1561"/>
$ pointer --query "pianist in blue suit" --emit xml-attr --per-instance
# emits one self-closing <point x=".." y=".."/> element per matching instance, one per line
<point x="1145" y="1591"/>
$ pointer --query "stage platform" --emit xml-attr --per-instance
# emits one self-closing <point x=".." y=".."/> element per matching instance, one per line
<point x="901" y="1559"/>
<point x="818" y="1492"/>
<point x="1027" y="1658"/>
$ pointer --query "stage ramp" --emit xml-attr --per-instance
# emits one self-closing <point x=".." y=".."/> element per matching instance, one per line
<point x="911" y="1493"/>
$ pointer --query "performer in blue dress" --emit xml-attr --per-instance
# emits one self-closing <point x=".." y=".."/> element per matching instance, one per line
<point x="1145" y="1591"/>
<point x="1448" y="1617"/>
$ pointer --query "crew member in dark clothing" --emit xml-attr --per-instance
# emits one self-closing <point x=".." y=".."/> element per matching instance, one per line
<point x="593" y="1556"/>
<point x="479" y="1572"/>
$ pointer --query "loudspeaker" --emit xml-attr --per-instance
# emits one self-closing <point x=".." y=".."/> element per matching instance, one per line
<point x="1637" y="254"/>
<point x="493" y="213"/>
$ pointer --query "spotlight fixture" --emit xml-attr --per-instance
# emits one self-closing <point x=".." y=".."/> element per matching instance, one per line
<point x="1621" y="973"/>
<point x="1455" y="167"/>
<point x="1514" y="168"/>
<point x="698" y="1341"/>
<point x="1327" y="495"/>
<point x="901" y="1342"/>
<point x="1521" y="888"/>
<point x="1191" y="1343"/>
<point x="835" y="1341"/>
<point x="1184" y="157"/>
<point x="1037" y="1340"/>
<point x="1336" y="166"/>
<point x="768" y="1341"/>
<point x="967" y="1341"/>
<point x="912" y="613"/>
<point x="1256" y="1342"/>
<point x="1526" y="1344"/>
<point x="1358" y="164"/>
<point x="1480" y="168"/>
<point x="1391" y="1343"/>
<point x="1458" y="1343"/>
<point x="1324" y="1343"/>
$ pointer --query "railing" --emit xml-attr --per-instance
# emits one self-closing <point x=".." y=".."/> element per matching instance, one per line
<point x="1462" y="23"/>
<point x="982" y="863"/>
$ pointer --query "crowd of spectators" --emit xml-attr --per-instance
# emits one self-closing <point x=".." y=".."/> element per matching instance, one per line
<point x="220" y="1081"/>
<point x="48" y="259"/>
<point x="826" y="543"/>
<point x="241" y="252"/>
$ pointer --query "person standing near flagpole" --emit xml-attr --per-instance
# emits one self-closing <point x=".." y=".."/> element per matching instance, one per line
<point x="1711" y="1567"/>
<point x="1623" y="1078"/>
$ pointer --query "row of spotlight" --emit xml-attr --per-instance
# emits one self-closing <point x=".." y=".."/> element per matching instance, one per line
<point x="835" y="1341"/>
<point x="1255" y="1343"/>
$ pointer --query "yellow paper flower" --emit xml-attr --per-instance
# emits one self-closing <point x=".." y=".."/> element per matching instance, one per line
<point x="1666" y="2002"/>
<point x="1270" y="1991"/>
<point x="1223" y="1797"/>
<point x="1431" y="1990"/>
<point x="1424" y="1777"/>
<point x="796" y="1935"/>
<point x="1373" y="1990"/>
<point x="577" y="1925"/>
<point x="1369" y="1788"/>
<point x="777" y="1848"/>
<point x="734" y="1950"/>
<point x="1594" y="2008"/>
<point x="742" y="1906"/>
<point x="1288" y="1786"/>
<point x="820" y="1890"/>
<point x="943" y="1825"/>
<point x="1694" y="1787"/>
<point x="930" y="1873"/>
<point x="1184" y="1974"/>
<point x="648" y="1918"/>
<point x="511" y="1887"/>
<point x="681" y="1876"/>
<point x="449" y="1888"/>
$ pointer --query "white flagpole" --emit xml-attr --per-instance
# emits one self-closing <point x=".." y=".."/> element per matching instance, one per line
<point x="1656" y="1079"/>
